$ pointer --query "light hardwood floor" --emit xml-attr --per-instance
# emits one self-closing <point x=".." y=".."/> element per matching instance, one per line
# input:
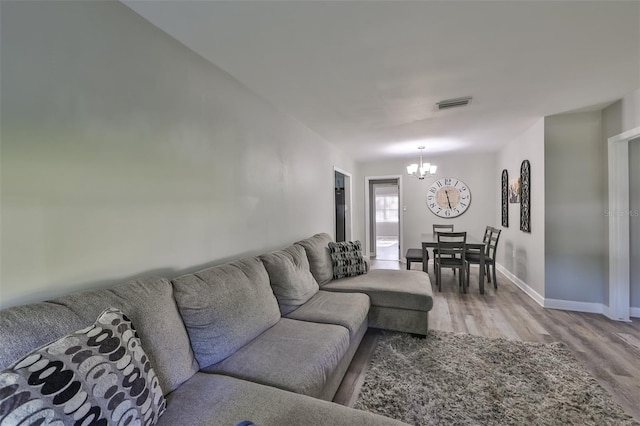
<point x="610" y="350"/>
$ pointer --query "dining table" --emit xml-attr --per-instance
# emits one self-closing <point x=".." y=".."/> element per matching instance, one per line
<point x="473" y="243"/>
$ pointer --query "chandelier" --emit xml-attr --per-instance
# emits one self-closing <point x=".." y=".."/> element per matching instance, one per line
<point x="423" y="169"/>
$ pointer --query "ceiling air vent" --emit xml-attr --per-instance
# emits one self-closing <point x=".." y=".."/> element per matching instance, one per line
<point x="452" y="103"/>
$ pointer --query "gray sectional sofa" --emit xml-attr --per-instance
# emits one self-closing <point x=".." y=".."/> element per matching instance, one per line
<point x="266" y="339"/>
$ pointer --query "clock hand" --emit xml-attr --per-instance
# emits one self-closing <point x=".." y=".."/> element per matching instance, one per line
<point x="448" y="201"/>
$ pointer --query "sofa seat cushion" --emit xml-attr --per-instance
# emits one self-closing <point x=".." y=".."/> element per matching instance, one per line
<point x="390" y="288"/>
<point x="320" y="263"/>
<point x="293" y="355"/>
<point x="346" y="309"/>
<point x="211" y="399"/>
<point x="225" y="307"/>
<point x="290" y="277"/>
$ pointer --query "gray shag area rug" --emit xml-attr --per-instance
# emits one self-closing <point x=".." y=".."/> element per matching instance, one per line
<point x="461" y="379"/>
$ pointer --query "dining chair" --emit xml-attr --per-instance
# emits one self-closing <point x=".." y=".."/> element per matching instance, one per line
<point x="452" y="247"/>
<point x="441" y="228"/>
<point x="491" y="247"/>
<point x="485" y="240"/>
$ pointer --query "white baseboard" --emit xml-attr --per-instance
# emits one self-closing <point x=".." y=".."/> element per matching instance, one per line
<point x="566" y="305"/>
<point x="571" y="305"/>
<point x="521" y="285"/>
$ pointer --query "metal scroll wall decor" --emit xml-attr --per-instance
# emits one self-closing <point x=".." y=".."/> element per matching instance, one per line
<point x="525" y="196"/>
<point x="505" y="198"/>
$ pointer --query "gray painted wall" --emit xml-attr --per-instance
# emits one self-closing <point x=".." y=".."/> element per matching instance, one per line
<point x="631" y="110"/>
<point x="522" y="253"/>
<point x="476" y="170"/>
<point x="576" y="252"/>
<point x="124" y="154"/>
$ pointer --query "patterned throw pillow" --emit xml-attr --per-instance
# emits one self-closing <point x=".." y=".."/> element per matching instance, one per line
<point x="99" y="375"/>
<point x="347" y="259"/>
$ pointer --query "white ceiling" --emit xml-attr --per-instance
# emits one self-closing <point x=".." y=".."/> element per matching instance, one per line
<point x="366" y="75"/>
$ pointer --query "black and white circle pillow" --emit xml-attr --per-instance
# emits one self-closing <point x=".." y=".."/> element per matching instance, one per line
<point x="347" y="259"/>
<point x="96" y="376"/>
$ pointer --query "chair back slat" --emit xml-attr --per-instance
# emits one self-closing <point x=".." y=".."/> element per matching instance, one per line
<point x="487" y="234"/>
<point x="492" y="244"/>
<point x="442" y="228"/>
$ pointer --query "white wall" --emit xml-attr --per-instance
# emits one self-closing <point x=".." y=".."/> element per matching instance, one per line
<point x="476" y="170"/>
<point x="576" y="253"/>
<point x="124" y="154"/>
<point x="522" y="253"/>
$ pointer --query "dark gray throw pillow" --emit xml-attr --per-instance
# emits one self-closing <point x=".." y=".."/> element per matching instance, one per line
<point x="99" y="375"/>
<point x="347" y="259"/>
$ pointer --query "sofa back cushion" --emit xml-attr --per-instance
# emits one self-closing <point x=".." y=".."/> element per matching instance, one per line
<point x="225" y="307"/>
<point x="317" y="249"/>
<point x="290" y="277"/>
<point x="148" y="302"/>
<point x="150" y="305"/>
<point x="27" y="327"/>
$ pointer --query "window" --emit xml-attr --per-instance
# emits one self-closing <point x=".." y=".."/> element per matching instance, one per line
<point x="387" y="208"/>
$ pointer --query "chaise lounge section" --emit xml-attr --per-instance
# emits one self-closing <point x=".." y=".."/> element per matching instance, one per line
<point x="400" y="299"/>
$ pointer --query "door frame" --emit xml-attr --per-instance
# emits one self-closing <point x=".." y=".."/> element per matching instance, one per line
<point x="619" y="308"/>
<point x="367" y="212"/>
<point x="348" y="226"/>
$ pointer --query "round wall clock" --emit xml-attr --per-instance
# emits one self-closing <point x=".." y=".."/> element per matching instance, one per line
<point x="448" y="197"/>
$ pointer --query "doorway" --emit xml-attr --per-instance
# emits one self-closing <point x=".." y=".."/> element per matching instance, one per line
<point x="620" y="197"/>
<point x="384" y="219"/>
<point x="342" y="205"/>
<point x="619" y="308"/>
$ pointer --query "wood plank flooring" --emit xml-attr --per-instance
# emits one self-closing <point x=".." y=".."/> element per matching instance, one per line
<point x="609" y="350"/>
